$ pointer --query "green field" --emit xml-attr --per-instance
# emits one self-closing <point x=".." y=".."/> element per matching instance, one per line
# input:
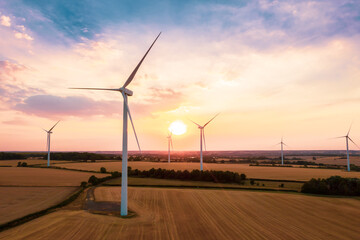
<point x="268" y="185"/>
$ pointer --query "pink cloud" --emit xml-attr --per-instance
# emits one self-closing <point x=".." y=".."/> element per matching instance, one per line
<point x="50" y="106"/>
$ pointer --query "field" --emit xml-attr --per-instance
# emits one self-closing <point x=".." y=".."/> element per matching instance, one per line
<point x="14" y="163"/>
<point x="16" y="202"/>
<point x="132" y="181"/>
<point x="19" y="176"/>
<point x="298" y="174"/>
<point x="202" y="214"/>
<point x="335" y="160"/>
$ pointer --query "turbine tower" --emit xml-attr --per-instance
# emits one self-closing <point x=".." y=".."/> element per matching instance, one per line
<point x="202" y="137"/>
<point x="282" y="150"/>
<point x="169" y="143"/>
<point x="49" y="132"/>
<point x="347" y="147"/>
<point x="126" y="111"/>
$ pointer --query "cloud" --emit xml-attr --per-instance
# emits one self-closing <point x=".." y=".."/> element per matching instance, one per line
<point x="9" y="68"/>
<point x="5" y="21"/>
<point x="13" y="90"/>
<point x="20" y="35"/>
<point x="50" y="106"/>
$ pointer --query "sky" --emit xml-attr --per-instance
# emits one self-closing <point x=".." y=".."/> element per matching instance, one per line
<point x="271" y="68"/>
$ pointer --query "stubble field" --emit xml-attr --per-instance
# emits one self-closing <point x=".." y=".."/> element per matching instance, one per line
<point x="202" y="214"/>
<point x="21" y="176"/>
<point x="16" y="202"/>
<point x="14" y="163"/>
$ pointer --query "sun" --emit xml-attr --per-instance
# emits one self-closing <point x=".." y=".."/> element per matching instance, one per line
<point x="178" y="127"/>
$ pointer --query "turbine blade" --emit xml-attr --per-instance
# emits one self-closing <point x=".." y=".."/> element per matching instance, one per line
<point x="172" y="147"/>
<point x="194" y="122"/>
<point x="132" y="75"/>
<point x="132" y="124"/>
<point x="104" y="89"/>
<point x="337" y="137"/>
<point x="54" y="126"/>
<point x="203" y="135"/>
<point x="349" y="130"/>
<point x="44" y="130"/>
<point x="354" y="143"/>
<point x="211" y="119"/>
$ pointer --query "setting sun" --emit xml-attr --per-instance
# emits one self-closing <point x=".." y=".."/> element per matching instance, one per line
<point x="178" y="127"/>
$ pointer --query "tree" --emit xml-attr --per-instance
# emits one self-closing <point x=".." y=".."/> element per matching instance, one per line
<point x="103" y="170"/>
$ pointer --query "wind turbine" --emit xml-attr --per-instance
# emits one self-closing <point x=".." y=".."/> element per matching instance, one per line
<point x="202" y="137"/>
<point x="48" y="142"/>
<point x="282" y="150"/>
<point x="169" y="143"/>
<point x="126" y="111"/>
<point x="347" y="147"/>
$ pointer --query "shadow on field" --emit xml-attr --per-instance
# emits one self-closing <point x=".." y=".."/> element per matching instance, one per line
<point x="104" y="208"/>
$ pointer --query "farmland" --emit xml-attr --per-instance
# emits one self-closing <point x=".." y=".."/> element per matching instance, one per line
<point x="219" y="214"/>
<point x="19" y="176"/>
<point x="297" y="174"/>
<point x="16" y="202"/>
<point x="133" y="181"/>
<point x="14" y="163"/>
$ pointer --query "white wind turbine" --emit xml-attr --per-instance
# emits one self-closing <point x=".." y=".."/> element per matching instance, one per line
<point x="169" y="137"/>
<point x="49" y="132"/>
<point x="282" y="150"/>
<point x="202" y="137"/>
<point x="126" y="111"/>
<point x="347" y="147"/>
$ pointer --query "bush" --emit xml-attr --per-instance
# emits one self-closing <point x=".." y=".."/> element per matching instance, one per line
<point x="19" y="164"/>
<point x="93" y="180"/>
<point x="116" y="174"/>
<point x="24" y="164"/>
<point x="281" y="185"/>
<point x="83" y="184"/>
<point x="252" y="181"/>
<point x="103" y="170"/>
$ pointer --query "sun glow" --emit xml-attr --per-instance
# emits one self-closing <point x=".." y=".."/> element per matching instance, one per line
<point x="178" y="127"/>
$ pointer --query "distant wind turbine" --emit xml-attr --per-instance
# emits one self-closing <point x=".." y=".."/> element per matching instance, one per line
<point x="282" y="150"/>
<point x="49" y="132"/>
<point x="347" y="147"/>
<point x="202" y="137"/>
<point x="169" y="137"/>
<point x="126" y="111"/>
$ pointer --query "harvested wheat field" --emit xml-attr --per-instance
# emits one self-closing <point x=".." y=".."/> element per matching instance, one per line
<point x="22" y="176"/>
<point x="335" y="160"/>
<point x="16" y="202"/>
<point x="14" y="163"/>
<point x="202" y="214"/>
<point x="282" y="173"/>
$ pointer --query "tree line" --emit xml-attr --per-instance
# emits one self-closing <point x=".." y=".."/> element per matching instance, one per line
<point x="334" y="185"/>
<point x="10" y="156"/>
<point x="194" y="175"/>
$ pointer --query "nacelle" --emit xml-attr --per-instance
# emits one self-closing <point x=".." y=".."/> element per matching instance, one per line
<point x="126" y="91"/>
